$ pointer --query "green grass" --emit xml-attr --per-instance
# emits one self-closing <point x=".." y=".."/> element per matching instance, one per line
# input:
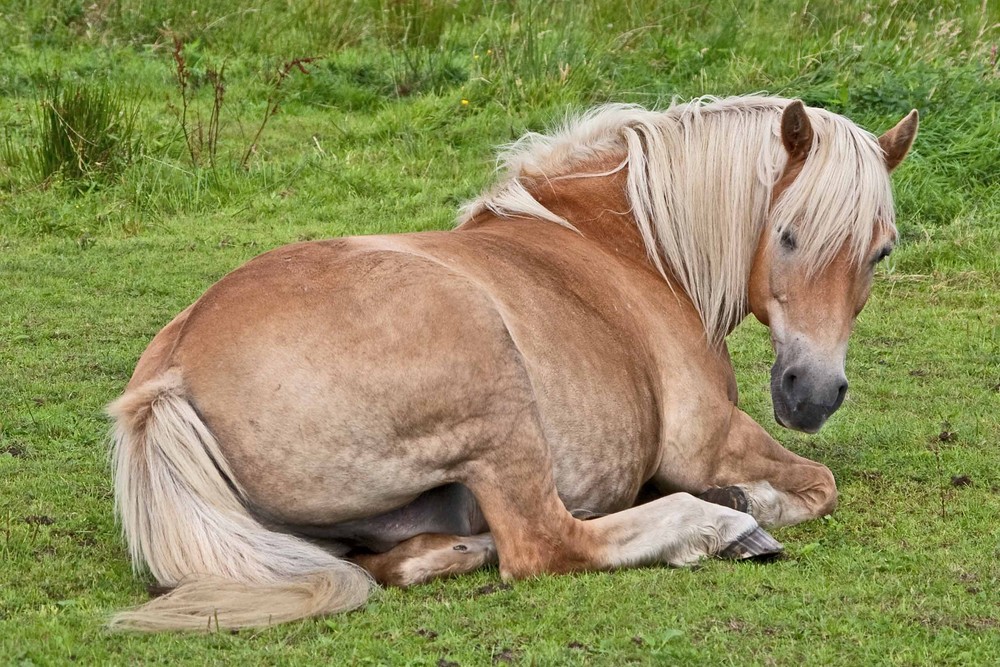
<point x="377" y="139"/>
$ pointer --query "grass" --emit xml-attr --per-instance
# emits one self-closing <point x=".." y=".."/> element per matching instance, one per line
<point x="377" y="139"/>
<point x="83" y="133"/>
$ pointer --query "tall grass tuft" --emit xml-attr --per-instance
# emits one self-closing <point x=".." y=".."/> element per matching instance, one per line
<point x="84" y="132"/>
<point x="415" y="31"/>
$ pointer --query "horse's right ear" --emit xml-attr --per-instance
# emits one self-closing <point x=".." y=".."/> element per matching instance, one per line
<point x="796" y="131"/>
<point x="896" y="142"/>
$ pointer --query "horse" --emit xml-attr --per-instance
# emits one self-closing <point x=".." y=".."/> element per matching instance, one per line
<point x="390" y="409"/>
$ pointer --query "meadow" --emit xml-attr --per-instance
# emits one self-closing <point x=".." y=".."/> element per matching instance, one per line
<point x="147" y="148"/>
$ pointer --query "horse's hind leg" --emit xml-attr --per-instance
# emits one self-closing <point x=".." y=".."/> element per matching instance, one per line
<point x="447" y="510"/>
<point x="535" y="534"/>
<point x="757" y="475"/>
<point x="429" y="556"/>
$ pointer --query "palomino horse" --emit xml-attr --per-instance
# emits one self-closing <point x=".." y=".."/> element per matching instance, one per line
<point x="412" y="406"/>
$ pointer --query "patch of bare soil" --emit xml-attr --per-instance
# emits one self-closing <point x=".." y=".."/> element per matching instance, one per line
<point x="504" y="656"/>
<point x="489" y="589"/>
<point x="39" y="520"/>
<point x="16" y="451"/>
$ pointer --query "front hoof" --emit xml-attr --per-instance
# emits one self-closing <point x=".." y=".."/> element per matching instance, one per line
<point x="732" y="497"/>
<point x="756" y="544"/>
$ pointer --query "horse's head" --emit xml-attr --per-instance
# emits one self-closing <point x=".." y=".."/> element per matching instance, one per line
<point x="809" y="300"/>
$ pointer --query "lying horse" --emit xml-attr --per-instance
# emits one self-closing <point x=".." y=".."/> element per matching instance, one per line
<point x="411" y="406"/>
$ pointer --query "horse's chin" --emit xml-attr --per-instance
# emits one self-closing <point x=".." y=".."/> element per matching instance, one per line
<point x="787" y="419"/>
<point x="810" y="429"/>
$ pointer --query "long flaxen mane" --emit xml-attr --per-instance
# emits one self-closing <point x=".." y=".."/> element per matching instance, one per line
<point x="699" y="184"/>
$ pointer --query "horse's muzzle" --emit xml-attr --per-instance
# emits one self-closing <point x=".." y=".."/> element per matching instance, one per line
<point x="804" y="397"/>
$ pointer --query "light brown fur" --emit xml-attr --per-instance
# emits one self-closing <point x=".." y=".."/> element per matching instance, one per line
<point x="543" y="366"/>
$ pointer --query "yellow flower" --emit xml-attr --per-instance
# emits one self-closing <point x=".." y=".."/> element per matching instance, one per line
<point x="465" y="103"/>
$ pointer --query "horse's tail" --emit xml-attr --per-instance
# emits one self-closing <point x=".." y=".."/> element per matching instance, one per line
<point x="183" y="516"/>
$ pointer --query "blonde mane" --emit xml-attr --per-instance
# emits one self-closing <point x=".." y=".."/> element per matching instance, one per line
<point x="700" y="179"/>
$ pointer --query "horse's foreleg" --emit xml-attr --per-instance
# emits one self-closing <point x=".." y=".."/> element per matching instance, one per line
<point x="679" y="529"/>
<point x="755" y="474"/>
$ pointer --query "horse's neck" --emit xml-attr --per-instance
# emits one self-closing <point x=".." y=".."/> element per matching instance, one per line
<point x="598" y="207"/>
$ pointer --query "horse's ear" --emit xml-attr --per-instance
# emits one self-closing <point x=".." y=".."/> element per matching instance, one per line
<point x="796" y="131"/>
<point x="896" y="142"/>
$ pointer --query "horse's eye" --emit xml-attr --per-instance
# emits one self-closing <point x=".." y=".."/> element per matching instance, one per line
<point x="886" y="251"/>
<point x="788" y="240"/>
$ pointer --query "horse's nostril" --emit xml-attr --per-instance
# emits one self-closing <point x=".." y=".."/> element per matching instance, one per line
<point x="788" y="381"/>
<point x="841" y="392"/>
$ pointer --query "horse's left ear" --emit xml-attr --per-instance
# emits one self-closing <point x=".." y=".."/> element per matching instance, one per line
<point x="796" y="131"/>
<point x="896" y="142"/>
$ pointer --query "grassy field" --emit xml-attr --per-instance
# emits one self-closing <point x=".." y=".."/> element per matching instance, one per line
<point x="393" y="125"/>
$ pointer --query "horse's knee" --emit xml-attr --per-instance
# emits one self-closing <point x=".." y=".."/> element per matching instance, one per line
<point x="819" y="493"/>
<point x="808" y="494"/>
<point x="823" y="495"/>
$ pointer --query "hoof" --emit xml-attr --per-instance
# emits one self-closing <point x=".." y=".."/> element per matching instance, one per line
<point x="756" y="544"/>
<point x="728" y="496"/>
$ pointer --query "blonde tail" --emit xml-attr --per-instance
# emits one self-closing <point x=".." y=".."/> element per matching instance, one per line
<point x="181" y="511"/>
